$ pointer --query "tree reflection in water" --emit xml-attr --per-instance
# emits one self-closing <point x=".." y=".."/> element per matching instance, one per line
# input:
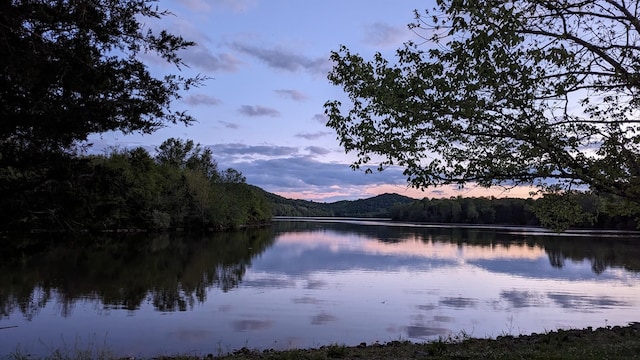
<point x="603" y="249"/>
<point x="173" y="272"/>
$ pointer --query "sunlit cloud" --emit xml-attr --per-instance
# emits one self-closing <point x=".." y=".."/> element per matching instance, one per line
<point x="258" y="110"/>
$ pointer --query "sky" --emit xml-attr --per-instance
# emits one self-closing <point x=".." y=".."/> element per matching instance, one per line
<point x="261" y="112"/>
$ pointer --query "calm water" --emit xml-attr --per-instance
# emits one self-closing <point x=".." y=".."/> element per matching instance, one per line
<point x="311" y="283"/>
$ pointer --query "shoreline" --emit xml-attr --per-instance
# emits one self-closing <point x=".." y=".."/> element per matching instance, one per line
<point x="617" y="342"/>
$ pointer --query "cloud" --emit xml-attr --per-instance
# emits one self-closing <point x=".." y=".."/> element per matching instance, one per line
<point x="251" y="325"/>
<point x="321" y="118"/>
<point x="292" y="94"/>
<point x="586" y="303"/>
<point x="298" y="176"/>
<point x="201" y="57"/>
<point x="201" y="99"/>
<point x="258" y="110"/>
<point x="380" y="34"/>
<point x="313" y="136"/>
<point x="283" y="59"/>
<point x="197" y="5"/>
<point x="522" y="299"/>
<point x="229" y="125"/>
<point x="458" y="302"/>
<point x="235" y="150"/>
<point x="236" y="5"/>
<point x="317" y="150"/>
<point x="322" y="319"/>
<point x="208" y="5"/>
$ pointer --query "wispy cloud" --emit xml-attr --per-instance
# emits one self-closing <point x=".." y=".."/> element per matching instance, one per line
<point x="292" y="94"/>
<point x="201" y="57"/>
<point x="381" y="34"/>
<point x="313" y="136"/>
<point x="208" y="5"/>
<point x="284" y="59"/>
<point x="196" y="5"/>
<point x="258" y="110"/>
<point x="242" y="149"/>
<point x="229" y="125"/>
<point x="317" y="150"/>
<point x="321" y="118"/>
<point x="201" y="99"/>
<point x="236" y="5"/>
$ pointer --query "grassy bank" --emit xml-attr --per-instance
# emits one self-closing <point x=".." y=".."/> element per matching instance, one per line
<point x="603" y="343"/>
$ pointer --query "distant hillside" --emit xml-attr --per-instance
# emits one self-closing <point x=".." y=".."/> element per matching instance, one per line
<point x="377" y="206"/>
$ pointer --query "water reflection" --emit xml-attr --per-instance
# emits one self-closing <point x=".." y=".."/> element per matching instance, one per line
<point x="313" y="283"/>
<point x="343" y="246"/>
<point x="172" y="273"/>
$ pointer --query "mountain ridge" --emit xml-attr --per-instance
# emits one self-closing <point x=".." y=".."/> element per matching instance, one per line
<point x="375" y="206"/>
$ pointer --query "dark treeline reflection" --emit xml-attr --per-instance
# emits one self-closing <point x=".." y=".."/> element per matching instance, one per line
<point x="602" y="250"/>
<point x="173" y="272"/>
<point x="170" y="271"/>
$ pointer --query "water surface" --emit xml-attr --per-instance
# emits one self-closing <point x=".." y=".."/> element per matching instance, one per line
<point x="311" y="283"/>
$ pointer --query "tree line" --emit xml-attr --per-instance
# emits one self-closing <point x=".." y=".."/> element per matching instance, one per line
<point x="377" y="206"/>
<point x="502" y="93"/>
<point x="581" y="210"/>
<point x="180" y="187"/>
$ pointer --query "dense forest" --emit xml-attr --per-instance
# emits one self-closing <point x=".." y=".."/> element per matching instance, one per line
<point x="586" y="210"/>
<point x="576" y="210"/>
<point x="180" y="187"/>
<point x="377" y="206"/>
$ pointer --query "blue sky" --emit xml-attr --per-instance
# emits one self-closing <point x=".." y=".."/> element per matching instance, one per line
<point x="262" y="110"/>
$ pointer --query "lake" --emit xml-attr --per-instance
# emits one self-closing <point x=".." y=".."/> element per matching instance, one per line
<point x="307" y="283"/>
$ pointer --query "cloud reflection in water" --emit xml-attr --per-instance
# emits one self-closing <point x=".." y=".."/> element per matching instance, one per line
<point x="251" y="325"/>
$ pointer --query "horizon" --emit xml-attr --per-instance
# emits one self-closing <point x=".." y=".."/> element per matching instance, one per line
<point x="261" y="112"/>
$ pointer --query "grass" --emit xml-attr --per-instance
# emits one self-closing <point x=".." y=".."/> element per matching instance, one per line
<point x="78" y="351"/>
<point x="603" y="343"/>
<point x="585" y="344"/>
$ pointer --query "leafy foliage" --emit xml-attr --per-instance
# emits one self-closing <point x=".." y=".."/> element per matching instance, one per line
<point x="542" y="93"/>
<point x="554" y="211"/>
<point x="72" y="68"/>
<point x="69" y="69"/>
<point x="130" y="189"/>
